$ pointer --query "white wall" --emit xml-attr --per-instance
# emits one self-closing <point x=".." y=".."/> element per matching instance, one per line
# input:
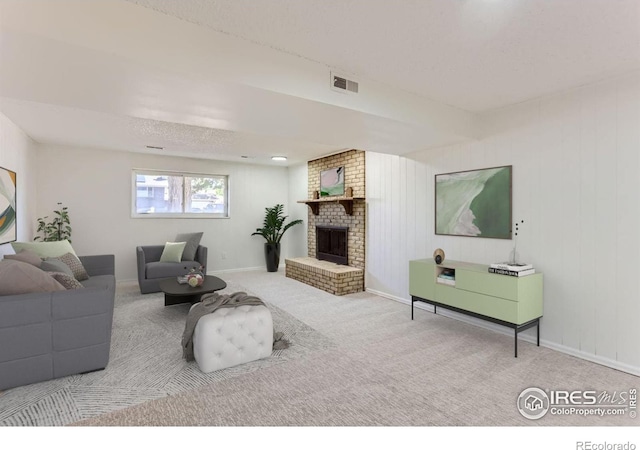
<point x="96" y="186"/>
<point x="17" y="153"/>
<point x="576" y="183"/>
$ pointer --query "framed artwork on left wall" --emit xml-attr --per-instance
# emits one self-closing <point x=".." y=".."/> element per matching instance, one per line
<point x="8" y="189"/>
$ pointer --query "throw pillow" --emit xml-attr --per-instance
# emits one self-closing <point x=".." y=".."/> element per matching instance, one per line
<point x="55" y="265"/>
<point x="79" y="272"/>
<point x="66" y="280"/>
<point x="192" y="240"/>
<point x="17" y="277"/>
<point x="28" y="256"/>
<point x="172" y="252"/>
<point x="45" y="249"/>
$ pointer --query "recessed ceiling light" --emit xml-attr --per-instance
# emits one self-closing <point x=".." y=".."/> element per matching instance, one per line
<point x="155" y="147"/>
<point x="279" y="158"/>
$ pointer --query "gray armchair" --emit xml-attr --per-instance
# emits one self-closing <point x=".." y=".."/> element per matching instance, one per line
<point x="151" y="271"/>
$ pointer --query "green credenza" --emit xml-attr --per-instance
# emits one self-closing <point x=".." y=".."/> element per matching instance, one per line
<point x="515" y="302"/>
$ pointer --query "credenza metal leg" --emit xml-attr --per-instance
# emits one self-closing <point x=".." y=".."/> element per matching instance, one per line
<point x="516" y="342"/>
<point x="538" y="328"/>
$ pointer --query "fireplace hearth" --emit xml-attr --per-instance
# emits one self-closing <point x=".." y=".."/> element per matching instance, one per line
<point x="332" y="244"/>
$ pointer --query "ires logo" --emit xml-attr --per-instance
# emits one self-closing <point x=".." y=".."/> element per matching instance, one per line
<point x="560" y="398"/>
<point x="535" y="403"/>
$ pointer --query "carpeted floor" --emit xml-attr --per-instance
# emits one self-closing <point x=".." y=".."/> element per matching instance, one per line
<point x="354" y="360"/>
<point x="145" y="364"/>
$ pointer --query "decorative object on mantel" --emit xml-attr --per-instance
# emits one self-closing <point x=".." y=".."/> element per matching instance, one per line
<point x="349" y="192"/>
<point x="332" y="182"/>
<point x="438" y="255"/>
<point x="272" y="230"/>
<point x="8" y="188"/>
<point x="316" y="195"/>
<point x="59" y="229"/>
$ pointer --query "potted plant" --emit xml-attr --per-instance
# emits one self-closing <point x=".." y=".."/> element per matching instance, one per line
<point x="272" y="230"/>
<point x="58" y="229"/>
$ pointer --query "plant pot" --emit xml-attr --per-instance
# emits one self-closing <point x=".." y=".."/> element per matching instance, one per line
<point x="272" y="256"/>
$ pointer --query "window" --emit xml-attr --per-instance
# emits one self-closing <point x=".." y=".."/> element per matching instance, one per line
<point x="170" y="194"/>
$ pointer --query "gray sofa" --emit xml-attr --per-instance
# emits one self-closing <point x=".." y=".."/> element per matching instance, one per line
<point x="54" y="334"/>
<point x="151" y="271"/>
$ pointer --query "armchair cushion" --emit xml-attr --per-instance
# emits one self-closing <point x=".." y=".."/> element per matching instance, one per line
<point x="192" y="240"/>
<point x="172" y="252"/>
<point x="170" y="269"/>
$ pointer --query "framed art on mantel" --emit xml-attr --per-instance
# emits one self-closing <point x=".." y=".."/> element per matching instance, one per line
<point x="7" y="205"/>
<point x="474" y="203"/>
<point x="332" y="182"/>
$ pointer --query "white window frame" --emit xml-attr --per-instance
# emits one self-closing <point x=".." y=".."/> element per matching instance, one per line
<point x="179" y="215"/>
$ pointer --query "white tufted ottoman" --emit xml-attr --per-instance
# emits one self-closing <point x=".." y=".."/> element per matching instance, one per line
<point x="232" y="336"/>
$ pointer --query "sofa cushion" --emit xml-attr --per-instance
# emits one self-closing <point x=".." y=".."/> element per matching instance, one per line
<point x="55" y="265"/>
<point x="72" y="261"/>
<point x="17" y="277"/>
<point x="172" y="252"/>
<point x="68" y="281"/>
<point x="28" y="256"/>
<point x="100" y="282"/>
<point x="45" y="249"/>
<point x="192" y="240"/>
<point x="165" y="270"/>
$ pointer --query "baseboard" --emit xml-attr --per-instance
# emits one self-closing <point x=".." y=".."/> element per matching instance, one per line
<point x="242" y="269"/>
<point x="613" y="364"/>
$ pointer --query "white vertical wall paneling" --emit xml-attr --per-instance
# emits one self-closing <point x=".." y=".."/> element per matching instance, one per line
<point x="626" y="222"/>
<point x="586" y="224"/>
<point x="403" y="226"/>
<point x="569" y="156"/>
<point x="551" y="215"/>
<point x="576" y="164"/>
<point x="373" y="235"/>
<point x="606" y="212"/>
<point x="394" y="235"/>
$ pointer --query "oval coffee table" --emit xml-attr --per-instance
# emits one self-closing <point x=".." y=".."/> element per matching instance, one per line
<point x="176" y="293"/>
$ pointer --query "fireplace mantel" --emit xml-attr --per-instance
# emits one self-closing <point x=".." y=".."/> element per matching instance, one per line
<point x="346" y="202"/>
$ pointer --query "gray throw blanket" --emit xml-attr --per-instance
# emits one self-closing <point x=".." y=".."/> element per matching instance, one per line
<point x="208" y="304"/>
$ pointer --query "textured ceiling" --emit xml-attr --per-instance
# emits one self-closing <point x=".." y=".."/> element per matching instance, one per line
<point x="473" y="54"/>
<point x="219" y="79"/>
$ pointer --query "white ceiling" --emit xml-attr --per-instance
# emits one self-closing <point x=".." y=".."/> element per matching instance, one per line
<point x="220" y="79"/>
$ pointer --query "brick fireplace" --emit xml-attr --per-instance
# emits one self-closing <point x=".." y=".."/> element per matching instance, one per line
<point x="333" y="213"/>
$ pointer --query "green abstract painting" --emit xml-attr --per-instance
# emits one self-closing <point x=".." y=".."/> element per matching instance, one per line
<point x="474" y="203"/>
<point x="7" y="205"/>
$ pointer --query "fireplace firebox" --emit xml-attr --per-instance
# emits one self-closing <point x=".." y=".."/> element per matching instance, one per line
<point x="331" y="244"/>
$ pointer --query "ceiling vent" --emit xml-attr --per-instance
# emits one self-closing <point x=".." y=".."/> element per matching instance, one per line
<point x="342" y="84"/>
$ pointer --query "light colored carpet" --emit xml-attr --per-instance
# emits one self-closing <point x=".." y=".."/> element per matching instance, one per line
<point x="145" y="364"/>
<point x="354" y="360"/>
<point x="379" y="368"/>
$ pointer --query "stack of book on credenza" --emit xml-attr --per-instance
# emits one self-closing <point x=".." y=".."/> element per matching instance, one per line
<point x="512" y="269"/>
